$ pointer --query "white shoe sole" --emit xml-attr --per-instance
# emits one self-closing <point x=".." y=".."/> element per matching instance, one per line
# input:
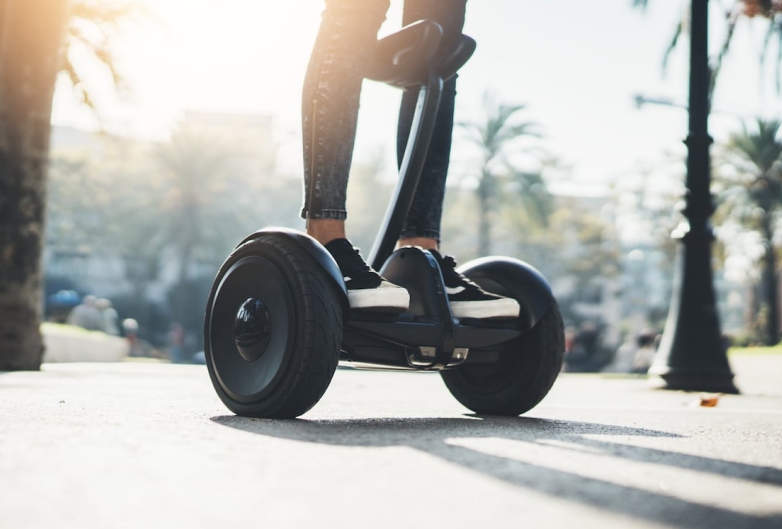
<point x="495" y="309"/>
<point x="389" y="298"/>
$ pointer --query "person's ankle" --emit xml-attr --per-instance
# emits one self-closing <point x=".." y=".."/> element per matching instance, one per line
<point x="366" y="289"/>
<point x="424" y="242"/>
<point x="326" y="230"/>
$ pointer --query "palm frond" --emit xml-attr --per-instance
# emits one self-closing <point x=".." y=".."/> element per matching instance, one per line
<point x="779" y="55"/>
<point x="770" y="10"/>
<point x="92" y="29"/>
<point x="498" y="135"/>
<point x="755" y="192"/>
<point x="766" y="43"/>
<point x="762" y="149"/>
<point x="672" y="45"/>
<point x="717" y="66"/>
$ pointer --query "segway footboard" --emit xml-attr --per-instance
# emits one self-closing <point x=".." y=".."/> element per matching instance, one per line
<point x="427" y="336"/>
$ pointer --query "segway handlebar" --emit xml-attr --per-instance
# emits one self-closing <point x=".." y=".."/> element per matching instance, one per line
<point x="404" y="58"/>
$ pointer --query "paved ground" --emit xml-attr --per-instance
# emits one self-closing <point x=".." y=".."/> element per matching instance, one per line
<point x="150" y="445"/>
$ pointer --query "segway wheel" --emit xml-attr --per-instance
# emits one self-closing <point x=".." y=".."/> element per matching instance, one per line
<point x="525" y="373"/>
<point x="272" y="330"/>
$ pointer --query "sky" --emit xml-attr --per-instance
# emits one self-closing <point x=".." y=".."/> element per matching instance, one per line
<point x="576" y="65"/>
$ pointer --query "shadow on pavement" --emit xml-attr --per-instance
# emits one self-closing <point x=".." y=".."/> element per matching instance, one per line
<point x="434" y="436"/>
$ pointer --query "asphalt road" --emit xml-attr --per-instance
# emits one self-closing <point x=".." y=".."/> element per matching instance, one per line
<point x="150" y="445"/>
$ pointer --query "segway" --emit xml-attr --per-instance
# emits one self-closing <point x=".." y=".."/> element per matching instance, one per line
<point x="278" y="321"/>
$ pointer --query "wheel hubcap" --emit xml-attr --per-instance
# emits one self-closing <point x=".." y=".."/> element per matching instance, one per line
<point x="252" y="329"/>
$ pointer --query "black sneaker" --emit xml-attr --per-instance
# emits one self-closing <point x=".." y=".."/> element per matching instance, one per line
<point x="468" y="300"/>
<point x="367" y="290"/>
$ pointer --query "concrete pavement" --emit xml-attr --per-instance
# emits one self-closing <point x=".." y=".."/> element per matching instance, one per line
<point x="150" y="445"/>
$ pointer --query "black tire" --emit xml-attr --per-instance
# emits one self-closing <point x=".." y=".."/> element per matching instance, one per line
<point x="304" y="317"/>
<point x="527" y="369"/>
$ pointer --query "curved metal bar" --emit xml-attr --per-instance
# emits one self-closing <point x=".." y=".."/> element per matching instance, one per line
<point x="410" y="170"/>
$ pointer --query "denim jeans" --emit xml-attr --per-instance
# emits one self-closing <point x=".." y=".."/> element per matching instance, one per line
<point x="330" y="102"/>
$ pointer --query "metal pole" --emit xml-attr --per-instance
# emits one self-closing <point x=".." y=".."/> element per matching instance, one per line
<point x="692" y="354"/>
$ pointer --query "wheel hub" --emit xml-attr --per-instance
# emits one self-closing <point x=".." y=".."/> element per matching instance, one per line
<point x="252" y="329"/>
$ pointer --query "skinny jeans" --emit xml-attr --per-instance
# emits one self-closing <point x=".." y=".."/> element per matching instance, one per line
<point x="330" y="103"/>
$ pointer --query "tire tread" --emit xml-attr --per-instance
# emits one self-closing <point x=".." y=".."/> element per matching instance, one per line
<point x="544" y="347"/>
<point x="318" y="334"/>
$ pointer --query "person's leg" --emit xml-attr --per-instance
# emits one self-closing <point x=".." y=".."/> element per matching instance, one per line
<point x="422" y="226"/>
<point x="330" y="101"/>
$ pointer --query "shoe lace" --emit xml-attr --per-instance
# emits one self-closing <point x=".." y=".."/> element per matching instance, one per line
<point x="352" y="264"/>
<point x="451" y="276"/>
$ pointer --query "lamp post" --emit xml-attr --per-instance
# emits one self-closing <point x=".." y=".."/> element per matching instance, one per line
<point x="692" y="354"/>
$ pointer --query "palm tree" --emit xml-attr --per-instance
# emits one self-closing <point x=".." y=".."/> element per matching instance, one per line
<point x="30" y="38"/>
<point x="196" y="209"/>
<point x="500" y="137"/>
<point x="200" y="200"/>
<point x="768" y="9"/>
<point x="754" y="195"/>
<point x="35" y="36"/>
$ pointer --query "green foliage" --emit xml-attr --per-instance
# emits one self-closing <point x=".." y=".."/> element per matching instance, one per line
<point x="579" y="248"/>
<point x="194" y="196"/>
<point x="771" y="10"/>
<point x="163" y="214"/>
<point x="502" y="141"/>
<point x="750" y="182"/>
<point x="755" y="350"/>
<point x="750" y="176"/>
<point x="762" y="148"/>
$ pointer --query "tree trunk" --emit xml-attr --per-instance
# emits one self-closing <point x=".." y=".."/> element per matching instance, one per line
<point x="30" y="41"/>
<point x="771" y="283"/>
